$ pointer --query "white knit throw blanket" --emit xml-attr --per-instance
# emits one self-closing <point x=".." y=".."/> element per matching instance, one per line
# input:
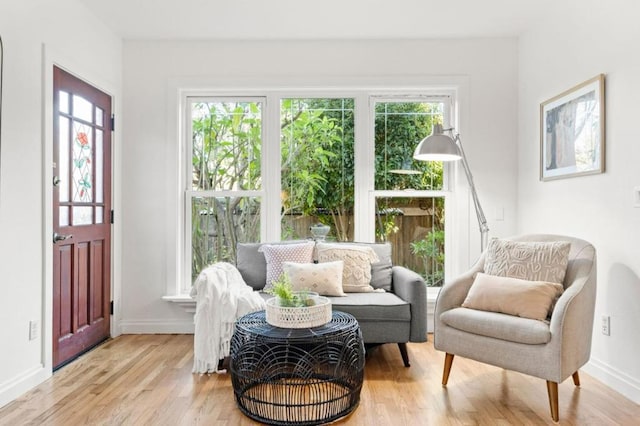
<point x="221" y="297"/>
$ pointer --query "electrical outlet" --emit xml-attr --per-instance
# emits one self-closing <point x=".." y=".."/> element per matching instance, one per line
<point x="34" y="328"/>
<point x="606" y="325"/>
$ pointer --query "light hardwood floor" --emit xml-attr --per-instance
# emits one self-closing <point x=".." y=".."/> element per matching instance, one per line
<point x="147" y="380"/>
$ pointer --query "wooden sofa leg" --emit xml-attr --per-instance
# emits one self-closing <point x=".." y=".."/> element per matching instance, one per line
<point x="576" y="379"/>
<point x="404" y="353"/>
<point x="448" y="362"/>
<point x="552" y="390"/>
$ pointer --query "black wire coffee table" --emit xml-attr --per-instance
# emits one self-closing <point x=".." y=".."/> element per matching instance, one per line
<point x="304" y="376"/>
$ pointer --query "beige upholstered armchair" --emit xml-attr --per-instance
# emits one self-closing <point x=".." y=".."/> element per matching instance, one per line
<point x="553" y="349"/>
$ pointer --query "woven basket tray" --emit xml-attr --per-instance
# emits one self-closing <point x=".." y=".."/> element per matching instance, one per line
<point x="303" y="317"/>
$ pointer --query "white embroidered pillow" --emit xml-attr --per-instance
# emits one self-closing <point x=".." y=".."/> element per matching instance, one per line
<point x="323" y="278"/>
<point x="276" y="254"/>
<point x="526" y="260"/>
<point x="356" y="275"/>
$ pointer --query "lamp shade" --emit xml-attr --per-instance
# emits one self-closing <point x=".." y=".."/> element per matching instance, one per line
<point x="437" y="147"/>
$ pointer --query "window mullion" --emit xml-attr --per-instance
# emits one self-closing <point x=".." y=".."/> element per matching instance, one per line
<point x="271" y="169"/>
<point x="364" y="160"/>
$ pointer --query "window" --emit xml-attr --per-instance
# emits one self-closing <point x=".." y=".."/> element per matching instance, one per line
<point x="409" y="212"/>
<point x="316" y="143"/>
<point x="267" y="168"/>
<point x="225" y="172"/>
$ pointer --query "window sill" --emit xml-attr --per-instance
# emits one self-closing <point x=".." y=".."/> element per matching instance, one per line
<point x="185" y="301"/>
<point x="432" y="294"/>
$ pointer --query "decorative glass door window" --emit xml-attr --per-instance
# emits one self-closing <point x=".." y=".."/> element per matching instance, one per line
<point x="80" y="163"/>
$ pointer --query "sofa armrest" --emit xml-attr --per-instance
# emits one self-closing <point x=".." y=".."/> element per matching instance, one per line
<point x="410" y="287"/>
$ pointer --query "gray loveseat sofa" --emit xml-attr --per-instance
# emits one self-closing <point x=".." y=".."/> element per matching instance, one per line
<point x="399" y="315"/>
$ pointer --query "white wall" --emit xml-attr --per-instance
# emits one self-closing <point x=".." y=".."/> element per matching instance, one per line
<point x="36" y="32"/>
<point x="573" y="45"/>
<point x="154" y="70"/>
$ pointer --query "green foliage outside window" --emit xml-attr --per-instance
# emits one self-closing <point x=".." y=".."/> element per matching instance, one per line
<point x="317" y="171"/>
<point x="226" y="151"/>
<point x="317" y="137"/>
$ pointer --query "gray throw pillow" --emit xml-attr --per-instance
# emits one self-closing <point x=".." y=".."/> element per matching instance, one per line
<point x="251" y="264"/>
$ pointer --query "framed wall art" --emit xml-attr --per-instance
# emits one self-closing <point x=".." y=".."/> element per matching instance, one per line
<point x="572" y="133"/>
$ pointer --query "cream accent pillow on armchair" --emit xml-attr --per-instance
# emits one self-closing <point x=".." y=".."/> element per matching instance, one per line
<point x="523" y="298"/>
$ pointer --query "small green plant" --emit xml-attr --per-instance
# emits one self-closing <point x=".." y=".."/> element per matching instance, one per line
<point x="431" y="250"/>
<point x="283" y="290"/>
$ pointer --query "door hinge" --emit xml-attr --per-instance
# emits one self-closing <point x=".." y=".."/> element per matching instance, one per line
<point x="113" y="123"/>
<point x="111" y="307"/>
<point x="112" y="214"/>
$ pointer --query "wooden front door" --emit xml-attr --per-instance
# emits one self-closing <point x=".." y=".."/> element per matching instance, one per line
<point x="81" y="216"/>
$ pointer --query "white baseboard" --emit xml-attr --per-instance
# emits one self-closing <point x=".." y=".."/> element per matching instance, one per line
<point x="615" y="379"/>
<point x="22" y="383"/>
<point x="157" y="327"/>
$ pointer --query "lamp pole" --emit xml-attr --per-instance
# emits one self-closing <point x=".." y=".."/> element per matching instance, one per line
<point x="441" y="147"/>
<point x="482" y="220"/>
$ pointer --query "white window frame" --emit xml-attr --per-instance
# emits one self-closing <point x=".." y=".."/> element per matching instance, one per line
<point x="364" y="163"/>
<point x="190" y="193"/>
<point x="448" y="112"/>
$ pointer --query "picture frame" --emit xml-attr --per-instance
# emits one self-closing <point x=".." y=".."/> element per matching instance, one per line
<point x="572" y="132"/>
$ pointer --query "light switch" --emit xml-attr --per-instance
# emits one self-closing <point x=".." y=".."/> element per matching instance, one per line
<point x="636" y="197"/>
<point x="499" y="215"/>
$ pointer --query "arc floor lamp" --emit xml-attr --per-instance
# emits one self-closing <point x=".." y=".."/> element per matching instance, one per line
<point x="441" y="147"/>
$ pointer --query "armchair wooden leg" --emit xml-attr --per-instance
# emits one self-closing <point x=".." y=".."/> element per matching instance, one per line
<point x="576" y="379"/>
<point x="552" y="390"/>
<point x="448" y="362"/>
<point x="404" y="353"/>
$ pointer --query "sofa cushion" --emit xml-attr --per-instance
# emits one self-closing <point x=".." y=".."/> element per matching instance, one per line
<point x="528" y="260"/>
<point x="373" y="306"/>
<point x="357" y="258"/>
<point x="276" y="254"/>
<point x="527" y="299"/>
<point x="497" y="325"/>
<point x="322" y="278"/>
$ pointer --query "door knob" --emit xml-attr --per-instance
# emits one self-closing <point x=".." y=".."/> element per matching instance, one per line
<point x="60" y="237"/>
